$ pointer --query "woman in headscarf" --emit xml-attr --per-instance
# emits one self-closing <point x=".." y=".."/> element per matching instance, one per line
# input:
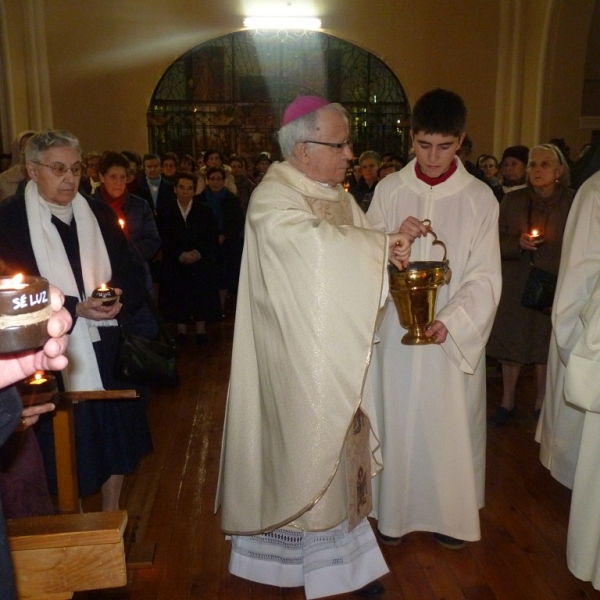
<point x="522" y="335"/>
<point x="77" y="244"/>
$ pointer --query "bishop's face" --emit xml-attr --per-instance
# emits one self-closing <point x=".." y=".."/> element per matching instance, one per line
<point x="322" y="163"/>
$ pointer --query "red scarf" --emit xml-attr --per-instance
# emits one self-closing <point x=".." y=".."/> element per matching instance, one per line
<point x="436" y="180"/>
<point x="117" y="205"/>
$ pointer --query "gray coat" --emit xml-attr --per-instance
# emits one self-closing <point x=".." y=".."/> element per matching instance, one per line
<point x="520" y="334"/>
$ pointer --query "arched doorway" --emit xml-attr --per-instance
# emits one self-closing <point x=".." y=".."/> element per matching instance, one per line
<point x="229" y="93"/>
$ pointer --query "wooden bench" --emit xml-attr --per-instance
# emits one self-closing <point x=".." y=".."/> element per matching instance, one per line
<point x="62" y="554"/>
<point x="55" y="556"/>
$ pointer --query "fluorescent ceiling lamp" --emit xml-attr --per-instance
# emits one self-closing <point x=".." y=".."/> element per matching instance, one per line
<point x="282" y="23"/>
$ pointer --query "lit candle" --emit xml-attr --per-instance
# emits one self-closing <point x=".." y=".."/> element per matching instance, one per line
<point x="536" y="237"/>
<point x="24" y="312"/>
<point x="40" y="388"/>
<point x="38" y="378"/>
<point x="122" y="223"/>
<point x="16" y="283"/>
<point x="106" y="294"/>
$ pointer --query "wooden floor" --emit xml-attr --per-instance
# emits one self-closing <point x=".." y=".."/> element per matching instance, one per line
<point x="524" y="524"/>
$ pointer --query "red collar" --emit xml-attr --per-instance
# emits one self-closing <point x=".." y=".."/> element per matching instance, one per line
<point x="435" y="180"/>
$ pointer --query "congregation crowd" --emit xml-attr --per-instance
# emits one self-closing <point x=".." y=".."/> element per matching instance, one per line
<point x="322" y="392"/>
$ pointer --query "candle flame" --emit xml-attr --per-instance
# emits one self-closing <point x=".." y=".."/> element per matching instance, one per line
<point x="103" y="288"/>
<point x="16" y="283"/>
<point x="38" y="378"/>
<point x="534" y="233"/>
<point x="121" y="223"/>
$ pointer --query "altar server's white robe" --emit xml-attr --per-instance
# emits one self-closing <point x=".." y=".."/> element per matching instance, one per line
<point x="560" y="425"/>
<point x="582" y="389"/>
<point x="431" y="399"/>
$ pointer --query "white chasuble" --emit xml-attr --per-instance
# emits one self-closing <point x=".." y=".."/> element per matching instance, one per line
<point x="309" y="294"/>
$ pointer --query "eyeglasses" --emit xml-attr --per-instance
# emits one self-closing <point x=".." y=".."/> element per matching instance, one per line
<point x="330" y="144"/>
<point x="60" y="170"/>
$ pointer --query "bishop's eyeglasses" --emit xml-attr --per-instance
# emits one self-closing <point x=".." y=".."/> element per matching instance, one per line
<point x="341" y="146"/>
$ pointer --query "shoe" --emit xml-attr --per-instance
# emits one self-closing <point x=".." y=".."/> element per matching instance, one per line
<point x="375" y="588"/>
<point x="449" y="542"/>
<point x="502" y="415"/>
<point x="201" y="339"/>
<point x="181" y="339"/>
<point x="387" y="540"/>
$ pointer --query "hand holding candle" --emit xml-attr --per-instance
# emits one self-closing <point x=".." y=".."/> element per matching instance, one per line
<point x="536" y="237"/>
<point x="40" y="388"/>
<point x="16" y="366"/>
<point x="95" y="309"/>
<point x="105" y="293"/>
<point x="526" y="241"/>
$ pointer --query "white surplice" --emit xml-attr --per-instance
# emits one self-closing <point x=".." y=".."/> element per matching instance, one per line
<point x="431" y="399"/>
<point x="560" y="425"/>
<point x="582" y="389"/>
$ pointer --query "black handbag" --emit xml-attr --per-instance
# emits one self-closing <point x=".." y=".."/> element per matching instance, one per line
<point x="540" y="285"/>
<point x="539" y="290"/>
<point x="148" y="362"/>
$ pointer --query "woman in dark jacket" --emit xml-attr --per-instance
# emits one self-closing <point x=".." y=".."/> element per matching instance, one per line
<point x="188" y="274"/>
<point x="522" y="335"/>
<point x="230" y="219"/>
<point x="77" y="244"/>
<point x="137" y="222"/>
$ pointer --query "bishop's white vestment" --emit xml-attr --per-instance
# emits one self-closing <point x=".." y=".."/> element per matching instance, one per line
<point x="431" y="399"/>
<point x="560" y="425"/>
<point x="310" y="291"/>
<point x="582" y="390"/>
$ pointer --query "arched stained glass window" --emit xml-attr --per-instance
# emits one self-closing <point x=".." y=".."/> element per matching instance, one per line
<point x="230" y="93"/>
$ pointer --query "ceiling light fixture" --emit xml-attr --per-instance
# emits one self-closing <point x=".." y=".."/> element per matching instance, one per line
<point x="308" y="23"/>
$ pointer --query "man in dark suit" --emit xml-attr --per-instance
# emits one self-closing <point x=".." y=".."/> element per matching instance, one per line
<point x="160" y="190"/>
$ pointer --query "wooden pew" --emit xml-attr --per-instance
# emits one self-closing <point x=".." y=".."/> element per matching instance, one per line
<point x="58" y="555"/>
<point x="62" y="554"/>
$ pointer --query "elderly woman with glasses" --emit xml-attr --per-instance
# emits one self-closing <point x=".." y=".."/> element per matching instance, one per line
<point x="522" y="335"/>
<point x="77" y="244"/>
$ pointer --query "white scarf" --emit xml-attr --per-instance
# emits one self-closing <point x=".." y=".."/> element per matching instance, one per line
<point x="82" y="371"/>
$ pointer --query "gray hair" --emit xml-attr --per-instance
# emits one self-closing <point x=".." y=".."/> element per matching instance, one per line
<point x="51" y="138"/>
<point x="304" y="128"/>
<point x="370" y="154"/>
<point x="565" y="178"/>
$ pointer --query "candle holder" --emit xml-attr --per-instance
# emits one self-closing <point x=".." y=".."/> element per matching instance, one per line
<point x="40" y="388"/>
<point x="24" y="312"/>
<point x="106" y="294"/>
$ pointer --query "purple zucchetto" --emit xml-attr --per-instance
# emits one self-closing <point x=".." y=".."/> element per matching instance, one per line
<point x="302" y="106"/>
